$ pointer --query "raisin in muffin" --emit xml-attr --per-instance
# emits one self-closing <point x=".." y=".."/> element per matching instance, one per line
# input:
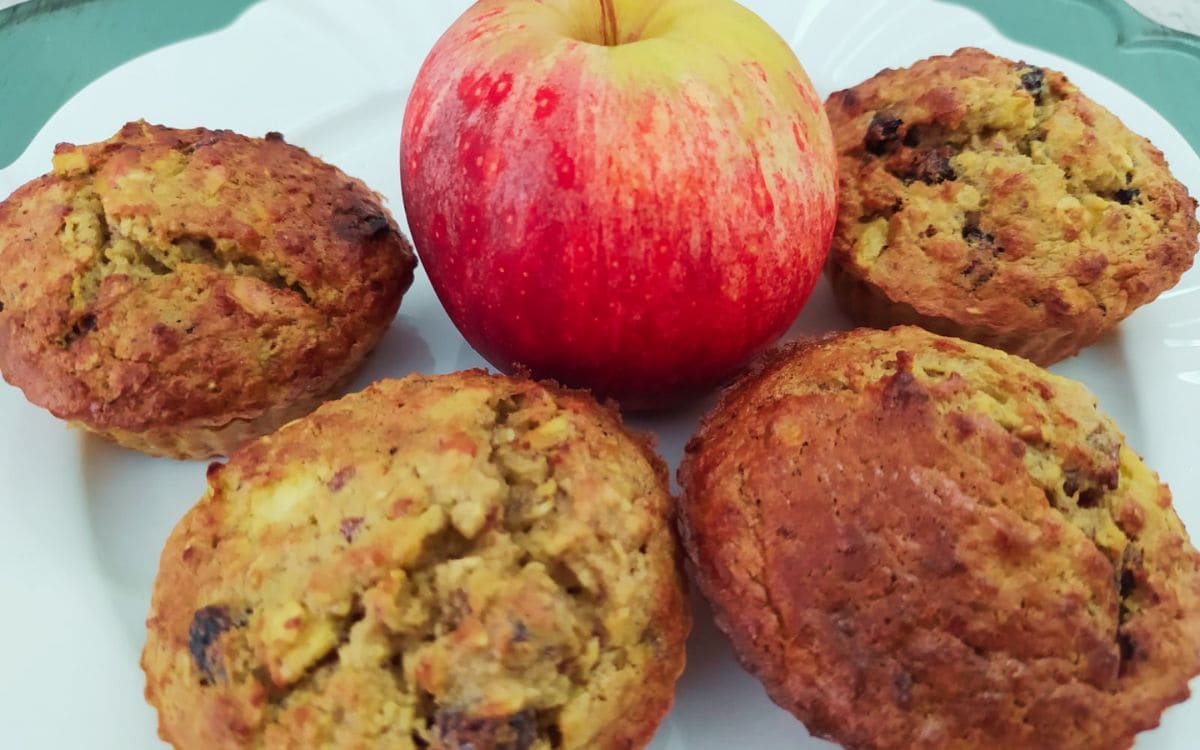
<point x="437" y="562"/>
<point x="182" y="291"/>
<point x="991" y="200"/>
<point x="919" y="542"/>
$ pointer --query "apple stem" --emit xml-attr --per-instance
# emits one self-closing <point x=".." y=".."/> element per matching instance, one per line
<point x="608" y="15"/>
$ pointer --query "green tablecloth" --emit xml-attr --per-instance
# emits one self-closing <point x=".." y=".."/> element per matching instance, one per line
<point x="50" y="49"/>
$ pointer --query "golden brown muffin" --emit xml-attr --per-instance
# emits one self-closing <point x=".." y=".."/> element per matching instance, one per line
<point x="182" y="291"/>
<point x="463" y="561"/>
<point x="991" y="200"/>
<point x="918" y="542"/>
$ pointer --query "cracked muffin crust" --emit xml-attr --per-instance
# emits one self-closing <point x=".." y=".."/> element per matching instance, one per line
<point x="461" y="561"/>
<point x="991" y="200"/>
<point x="919" y="542"/>
<point x="182" y="291"/>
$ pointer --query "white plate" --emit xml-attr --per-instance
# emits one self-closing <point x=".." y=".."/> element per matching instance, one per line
<point x="82" y="522"/>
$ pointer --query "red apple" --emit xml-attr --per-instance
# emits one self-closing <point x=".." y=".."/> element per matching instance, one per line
<point x="635" y="196"/>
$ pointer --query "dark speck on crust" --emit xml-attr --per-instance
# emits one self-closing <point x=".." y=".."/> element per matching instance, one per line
<point x="1127" y="650"/>
<point x="520" y="632"/>
<point x="976" y="236"/>
<point x="1125" y="196"/>
<point x="301" y="292"/>
<point x="1034" y="81"/>
<point x="903" y="684"/>
<point x="1127" y="574"/>
<point x="274" y="136"/>
<point x="964" y="426"/>
<point x="344" y="474"/>
<point x="882" y="133"/>
<point x="81" y="328"/>
<point x="350" y="527"/>
<point x="516" y="732"/>
<point x="933" y="167"/>
<point x="981" y="266"/>
<point x="201" y="143"/>
<point x="978" y="274"/>
<point x="1090" y="497"/>
<point x="902" y="389"/>
<point x="375" y="224"/>
<point x="208" y="624"/>
<point x="1070" y="482"/>
<point x="361" y="223"/>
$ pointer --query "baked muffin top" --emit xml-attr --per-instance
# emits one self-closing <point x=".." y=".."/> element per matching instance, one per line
<point x="436" y="562"/>
<point x="917" y="542"/>
<point x="993" y="194"/>
<point x="168" y="276"/>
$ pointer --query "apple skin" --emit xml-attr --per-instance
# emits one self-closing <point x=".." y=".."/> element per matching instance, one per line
<point x="639" y="218"/>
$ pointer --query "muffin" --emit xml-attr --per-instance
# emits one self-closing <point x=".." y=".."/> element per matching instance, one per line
<point x="182" y="291"/>
<point x="919" y="542"/>
<point x="463" y="561"/>
<point x="991" y="200"/>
